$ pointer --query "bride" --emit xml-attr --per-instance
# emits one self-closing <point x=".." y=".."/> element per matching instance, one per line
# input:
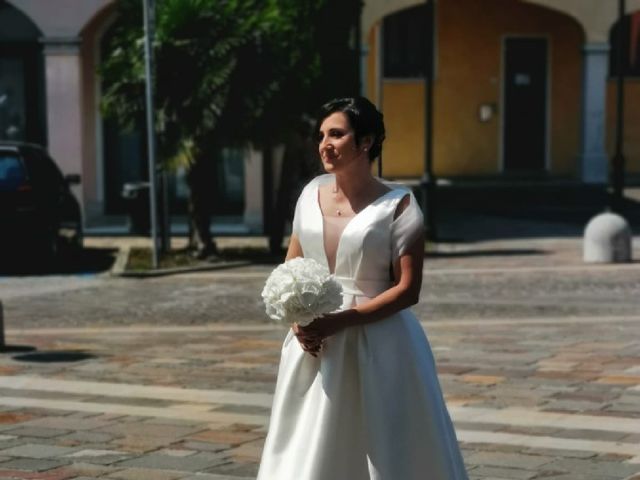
<point x="357" y="396"/>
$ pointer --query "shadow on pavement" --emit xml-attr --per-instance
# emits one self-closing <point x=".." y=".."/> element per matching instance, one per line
<point x="60" y="356"/>
<point x="256" y="256"/>
<point x="478" y="212"/>
<point x="85" y="261"/>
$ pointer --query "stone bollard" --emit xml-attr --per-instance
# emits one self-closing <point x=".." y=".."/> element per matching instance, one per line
<point x="607" y="239"/>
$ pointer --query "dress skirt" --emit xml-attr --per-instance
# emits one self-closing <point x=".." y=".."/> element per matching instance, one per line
<point x="369" y="407"/>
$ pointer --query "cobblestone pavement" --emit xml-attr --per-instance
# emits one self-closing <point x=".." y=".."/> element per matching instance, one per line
<point x="171" y="377"/>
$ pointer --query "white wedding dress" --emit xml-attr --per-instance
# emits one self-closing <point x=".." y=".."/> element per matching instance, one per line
<point x="369" y="407"/>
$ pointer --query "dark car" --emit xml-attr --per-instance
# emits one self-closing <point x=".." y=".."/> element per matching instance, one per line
<point x="38" y="213"/>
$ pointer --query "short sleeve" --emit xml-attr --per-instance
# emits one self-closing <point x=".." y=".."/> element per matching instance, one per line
<point x="308" y="189"/>
<point x="295" y="226"/>
<point x="406" y="228"/>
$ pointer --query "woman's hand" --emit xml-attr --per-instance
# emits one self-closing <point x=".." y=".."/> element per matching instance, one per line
<point x="313" y="335"/>
<point x="308" y="339"/>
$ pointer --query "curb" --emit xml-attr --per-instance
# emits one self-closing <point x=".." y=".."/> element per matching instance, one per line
<point x="173" y="271"/>
<point x="120" y="263"/>
<point x="119" y="268"/>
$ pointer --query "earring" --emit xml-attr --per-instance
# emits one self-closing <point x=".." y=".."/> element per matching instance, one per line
<point x="365" y="149"/>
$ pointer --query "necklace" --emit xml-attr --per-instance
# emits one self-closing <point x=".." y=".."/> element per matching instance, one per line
<point x="334" y="190"/>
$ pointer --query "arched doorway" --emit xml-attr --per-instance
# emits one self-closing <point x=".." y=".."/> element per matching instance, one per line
<point x="22" y="112"/>
<point x="489" y="56"/>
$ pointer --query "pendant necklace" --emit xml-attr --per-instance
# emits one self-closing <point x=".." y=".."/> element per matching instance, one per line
<point x="334" y="190"/>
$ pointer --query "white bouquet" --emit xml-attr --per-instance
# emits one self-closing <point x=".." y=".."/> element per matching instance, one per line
<point x="300" y="290"/>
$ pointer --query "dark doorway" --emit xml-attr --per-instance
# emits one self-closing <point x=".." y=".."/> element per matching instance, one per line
<point x="525" y="105"/>
<point x="22" y="110"/>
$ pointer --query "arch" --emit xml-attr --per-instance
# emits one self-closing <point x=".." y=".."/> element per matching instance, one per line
<point x="16" y="25"/>
<point x="62" y="18"/>
<point x="22" y="107"/>
<point x="100" y="20"/>
<point x="92" y="34"/>
<point x="579" y="10"/>
<point x="373" y="11"/>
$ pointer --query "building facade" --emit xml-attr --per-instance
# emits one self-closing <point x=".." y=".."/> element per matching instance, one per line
<point x="521" y="89"/>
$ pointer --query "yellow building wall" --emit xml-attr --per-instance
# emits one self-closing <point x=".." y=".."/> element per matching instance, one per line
<point x="403" y="109"/>
<point x="631" y="148"/>
<point x="469" y="39"/>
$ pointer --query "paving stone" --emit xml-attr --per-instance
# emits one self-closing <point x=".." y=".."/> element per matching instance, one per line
<point x="84" y="437"/>
<point x="509" y="460"/>
<point x="149" y="430"/>
<point x="592" y="435"/>
<point x="536" y="431"/>
<point x="175" y="452"/>
<point x="205" y="446"/>
<point x="213" y="476"/>
<point x="10" y="418"/>
<point x="38" y="432"/>
<point x="555" y="452"/>
<point x="198" y="462"/>
<point x="497" y="472"/>
<point x="573" y="406"/>
<point x="90" y="453"/>
<point x="32" y="464"/>
<point x="236" y="469"/>
<point x="142" y="443"/>
<point x="580" y="467"/>
<point x="37" y="451"/>
<point x="146" y="474"/>
<point x="226" y="437"/>
<point x="572" y="476"/>
<point x="251" y="451"/>
<point x="67" y="423"/>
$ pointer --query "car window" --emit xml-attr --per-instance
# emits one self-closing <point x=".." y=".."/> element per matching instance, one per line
<point x="12" y="173"/>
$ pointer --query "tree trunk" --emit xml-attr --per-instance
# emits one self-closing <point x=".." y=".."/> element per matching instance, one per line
<point x="201" y="179"/>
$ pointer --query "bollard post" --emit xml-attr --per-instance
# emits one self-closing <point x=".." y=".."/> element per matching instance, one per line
<point x="607" y="239"/>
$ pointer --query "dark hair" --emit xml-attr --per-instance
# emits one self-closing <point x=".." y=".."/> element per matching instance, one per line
<point x="364" y="117"/>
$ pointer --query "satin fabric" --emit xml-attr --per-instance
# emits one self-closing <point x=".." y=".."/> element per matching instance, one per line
<point x="369" y="407"/>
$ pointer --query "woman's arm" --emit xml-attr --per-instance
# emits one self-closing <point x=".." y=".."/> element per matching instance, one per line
<point x="294" y="250"/>
<point x="406" y="292"/>
<point x="309" y="341"/>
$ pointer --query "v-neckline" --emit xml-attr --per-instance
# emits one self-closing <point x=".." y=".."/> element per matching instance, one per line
<point x="357" y="214"/>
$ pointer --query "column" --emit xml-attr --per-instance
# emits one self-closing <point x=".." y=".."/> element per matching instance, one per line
<point x="364" y="59"/>
<point x="63" y="80"/>
<point x="593" y="156"/>
<point x="253" y="188"/>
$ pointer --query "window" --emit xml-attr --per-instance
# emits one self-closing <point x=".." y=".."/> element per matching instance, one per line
<point x="12" y="173"/>
<point x="630" y="46"/>
<point x="406" y="43"/>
